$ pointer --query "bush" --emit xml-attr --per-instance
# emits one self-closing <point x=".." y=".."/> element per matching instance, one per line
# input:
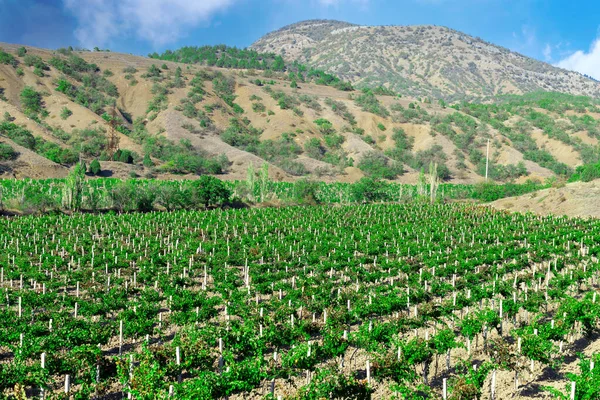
<point x="369" y="190"/>
<point x="95" y="167"/>
<point x="377" y="165"/>
<point x="368" y="102"/>
<point x="65" y="113"/>
<point x="7" y="153"/>
<point x="31" y="100"/>
<point x="8" y="59"/>
<point x="590" y="173"/>
<point x="305" y="191"/>
<point x="258" y="107"/>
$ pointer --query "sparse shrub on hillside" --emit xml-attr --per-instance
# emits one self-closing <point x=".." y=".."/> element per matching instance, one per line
<point x="8" y="59"/>
<point x="383" y="91"/>
<point x="91" y="93"/>
<point x="23" y="137"/>
<point x="310" y="102"/>
<point x="7" y="153"/>
<point x="434" y="155"/>
<point x="293" y="167"/>
<point x="21" y="51"/>
<point x="375" y="164"/>
<point x="314" y="149"/>
<point x="35" y="61"/>
<point x="368" y="102"/>
<point x="403" y="146"/>
<point x="89" y="142"/>
<point x="65" y="113"/>
<point x="153" y="72"/>
<point x="160" y="101"/>
<point x="369" y="140"/>
<point x="586" y="173"/>
<point x="381" y="127"/>
<point x="31" y="101"/>
<point x="334" y="141"/>
<point x="224" y="88"/>
<point x="129" y="70"/>
<point x="239" y="135"/>
<point x="258" y="107"/>
<point x="339" y="108"/>
<point x="325" y="127"/>
<point x="237" y="108"/>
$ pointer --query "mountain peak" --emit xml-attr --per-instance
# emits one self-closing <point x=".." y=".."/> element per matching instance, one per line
<point x="420" y="60"/>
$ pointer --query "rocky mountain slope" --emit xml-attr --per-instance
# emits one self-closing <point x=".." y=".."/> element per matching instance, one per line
<point x="420" y="60"/>
<point x="177" y="120"/>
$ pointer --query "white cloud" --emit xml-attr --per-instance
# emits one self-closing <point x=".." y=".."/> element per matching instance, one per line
<point x="586" y="63"/>
<point x="157" y="21"/>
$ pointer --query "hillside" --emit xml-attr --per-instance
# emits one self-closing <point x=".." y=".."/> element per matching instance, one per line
<point x="178" y="120"/>
<point x="420" y="60"/>
<point x="577" y="199"/>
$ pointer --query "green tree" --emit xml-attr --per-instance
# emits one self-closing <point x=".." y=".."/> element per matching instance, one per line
<point x="95" y="167"/>
<point x="278" y="64"/>
<point x="369" y="190"/>
<point x="211" y="191"/>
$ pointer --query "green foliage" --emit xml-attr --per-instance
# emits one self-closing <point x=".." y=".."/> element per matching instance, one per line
<point x="258" y="107"/>
<point x="369" y="190"/>
<point x="7" y="153"/>
<point x="375" y="164"/>
<point x="305" y="191"/>
<point x="21" y="51"/>
<point x="8" y="59"/>
<point x="65" y="113"/>
<point x="325" y="127"/>
<point x="586" y="173"/>
<point x="224" y="88"/>
<point x="211" y="191"/>
<point x="31" y="101"/>
<point x="95" y="167"/>
<point x="369" y="103"/>
<point x="231" y="57"/>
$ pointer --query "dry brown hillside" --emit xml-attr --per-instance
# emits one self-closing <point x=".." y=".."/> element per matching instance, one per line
<point x="171" y="113"/>
<point x="419" y="60"/>
<point x="576" y="199"/>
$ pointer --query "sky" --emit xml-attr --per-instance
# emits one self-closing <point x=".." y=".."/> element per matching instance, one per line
<point x="561" y="32"/>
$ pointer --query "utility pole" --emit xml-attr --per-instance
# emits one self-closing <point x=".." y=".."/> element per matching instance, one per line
<point x="487" y="160"/>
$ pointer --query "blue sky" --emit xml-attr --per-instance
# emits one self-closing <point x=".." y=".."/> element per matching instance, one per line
<point x="558" y="31"/>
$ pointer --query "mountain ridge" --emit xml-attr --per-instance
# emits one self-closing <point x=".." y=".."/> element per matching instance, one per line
<point x="420" y="60"/>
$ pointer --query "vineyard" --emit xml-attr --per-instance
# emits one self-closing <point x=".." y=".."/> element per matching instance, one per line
<point x="364" y="301"/>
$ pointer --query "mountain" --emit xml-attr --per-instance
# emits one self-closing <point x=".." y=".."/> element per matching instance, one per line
<point x="420" y="60"/>
<point x="177" y="120"/>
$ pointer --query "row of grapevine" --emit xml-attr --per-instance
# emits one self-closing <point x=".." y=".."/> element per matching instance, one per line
<point x="354" y="301"/>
